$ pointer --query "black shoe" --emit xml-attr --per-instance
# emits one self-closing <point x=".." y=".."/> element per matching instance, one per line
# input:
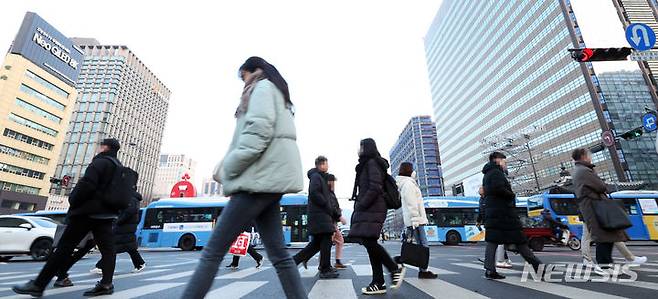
<point x="329" y="274"/>
<point x="397" y="277"/>
<point x="339" y="266"/>
<point x="427" y="275"/>
<point x="63" y="283"/>
<point x="374" y="289"/>
<point x="259" y="263"/>
<point x="305" y="264"/>
<point x="232" y="267"/>
<point x="28" y="289"/>
<point x="493" y="275"/>
<point x="99" y="290"/>
<point x="396" y="259"/>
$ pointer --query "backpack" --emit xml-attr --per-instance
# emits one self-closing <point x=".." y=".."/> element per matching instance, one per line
<point x="391" y="193"/>
<point x="120" y="190"/>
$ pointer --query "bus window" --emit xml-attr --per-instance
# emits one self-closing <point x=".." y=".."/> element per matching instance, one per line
<point x="630" y="205"/>
<point x="564" y="206"/>
<point x="456" y="217"/>
<point x="156" y="217"/>
<point x="649" y="206"/>
<point x="432" y="216"/>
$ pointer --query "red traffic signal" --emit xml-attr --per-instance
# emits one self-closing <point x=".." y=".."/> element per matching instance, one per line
<point x="600" y="54"/>
<point x="65" y="180"/>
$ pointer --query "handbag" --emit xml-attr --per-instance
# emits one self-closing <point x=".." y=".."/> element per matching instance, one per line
<point x="241" y="244"/>
<point x="610" y="215"/>
<point x="414" y="254"/>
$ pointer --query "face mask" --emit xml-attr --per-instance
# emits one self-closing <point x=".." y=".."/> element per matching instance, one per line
<point x="413" y="175"/>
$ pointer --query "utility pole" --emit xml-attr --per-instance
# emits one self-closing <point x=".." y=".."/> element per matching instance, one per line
<point x="532" y="160"/>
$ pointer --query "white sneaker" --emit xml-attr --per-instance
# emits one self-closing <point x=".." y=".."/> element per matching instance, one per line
<point x="587" y="262"/>
<point x="600" y="271"/>
<point x="139" y="269"/>
<point x="96" y="271"/>
<point x="639" y="260"/>
<point x="505" y="264"/>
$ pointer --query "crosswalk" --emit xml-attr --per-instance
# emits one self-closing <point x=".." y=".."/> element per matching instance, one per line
<point x="169" y="281"/>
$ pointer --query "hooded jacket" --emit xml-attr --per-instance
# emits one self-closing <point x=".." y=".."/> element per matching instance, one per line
<point x="320" y="207"/>
<point x="86" y="197"/>
<point x="500" y="217"/>
<point x="370" y="207"/>
<point x="413" y="210"/>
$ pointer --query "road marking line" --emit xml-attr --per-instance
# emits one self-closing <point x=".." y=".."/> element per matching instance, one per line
<point x="435" y="270"/>
<point x="308" y="272"/>
<point x="19" y="276"/>
<point x="141" y="291"/>
<point x="362" y="270"/>
<point x="335" y="288"/>
<point x="242" y="273"/>
<point x="446" y="289"/>
<point x="171" y="276"/>
<point x="638" y="284"/>
<point x="236" y="289"/>
<point x="644" y="270"/>
<point x="11" y="273"/>
<point x="50" y="292"/>
<point x="70" y="276"/>
<point x="176" y="264"/>
<point x="129" y="275"/>
<point x="481" y="267"/>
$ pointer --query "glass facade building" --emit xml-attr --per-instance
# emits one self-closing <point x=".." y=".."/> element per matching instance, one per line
<point x="118" y="97"/>
<point x="496" y="74"/>
<point x="417" y="144"/>
<point x="626" y="95"/>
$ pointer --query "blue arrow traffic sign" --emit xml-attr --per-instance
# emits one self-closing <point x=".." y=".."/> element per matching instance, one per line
<point x="640" y="36"/>
<point x="649" y="122"/>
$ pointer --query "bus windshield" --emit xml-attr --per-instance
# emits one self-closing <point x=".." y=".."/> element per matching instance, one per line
<point x="564" y="206"/>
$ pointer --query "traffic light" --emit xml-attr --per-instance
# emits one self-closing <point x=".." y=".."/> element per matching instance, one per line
<point x="632" y="134"/>
<point x="600" y="54"/>
<point x="65" y="180"/>
<point x="55" y="181"/>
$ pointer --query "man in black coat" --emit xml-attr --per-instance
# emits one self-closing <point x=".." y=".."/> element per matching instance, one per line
<point x="501" y="219"/>
<point x="321" y="215"/>
<point x="87" y="212"/>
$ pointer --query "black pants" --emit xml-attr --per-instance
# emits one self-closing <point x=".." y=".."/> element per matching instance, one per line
<point x="251" y="251"/>
<point x="378" y="257"/>
<point x="63" y="271"/>
<point x="604" y="253"/>
<point x="135" y="257"/>
<point x="75" y="231"/>
<point x="319" y="243"/>
<point x="524" y="250"/>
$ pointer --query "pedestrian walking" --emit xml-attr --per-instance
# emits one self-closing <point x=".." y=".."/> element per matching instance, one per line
<point x="124" y="241"/>
<point x="235" y="264"/>
<point x="322" y="217"/>
<point x="501" y="219"/>
<point x="337" y="237"/>
<point x="413" y="210"/>
<point x="502" y="259"/>
<point x="262" y="164"/>
<point x="589" y="188"/>
<point x="369" y="215"/>
<point x="87" y="212"/>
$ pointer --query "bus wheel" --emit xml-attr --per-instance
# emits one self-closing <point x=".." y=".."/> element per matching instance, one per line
<point x="537" y="244"/>
<point x="187" y="242"/>
<point x="453" y="238"/>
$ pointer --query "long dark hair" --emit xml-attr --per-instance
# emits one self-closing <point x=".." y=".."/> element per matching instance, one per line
<point x="270" y="72"/>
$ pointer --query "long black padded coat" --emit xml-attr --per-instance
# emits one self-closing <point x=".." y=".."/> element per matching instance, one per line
<point x="500" y="217"/>
<point x="320" y="205"/>
<point x="370" y="208"/>
<point x="126" y="226"/>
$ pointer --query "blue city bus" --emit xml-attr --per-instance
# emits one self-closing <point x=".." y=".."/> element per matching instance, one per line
<point x="452" y="219"/>
<point x="187" y="223"/>
<point x="641" y="207"/>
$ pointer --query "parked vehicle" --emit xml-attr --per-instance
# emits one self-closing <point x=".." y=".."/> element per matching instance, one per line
<point x="25" y="235"/>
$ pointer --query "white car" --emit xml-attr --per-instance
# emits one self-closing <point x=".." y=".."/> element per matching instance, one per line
<point x="29" y="235"/>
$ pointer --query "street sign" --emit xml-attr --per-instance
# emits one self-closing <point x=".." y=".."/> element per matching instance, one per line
<point x="649" y="122"/>
<point x="640" y="36"/>
<point x="608" y="138"/>
<point x="650" y="55"/>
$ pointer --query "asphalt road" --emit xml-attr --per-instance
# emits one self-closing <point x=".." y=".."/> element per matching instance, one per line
<point x="460" y="276"/>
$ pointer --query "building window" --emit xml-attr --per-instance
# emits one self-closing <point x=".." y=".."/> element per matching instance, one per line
<point x="44" y="98"/>
<point x="27" y="139"/>
<point x="46" y="84"/>
<point x="23" y="155"/>
<point x="16" y="205"/>
<point x="30" y="124"/>
<point x="43" y="113"/>
<point x="21" y="171"/>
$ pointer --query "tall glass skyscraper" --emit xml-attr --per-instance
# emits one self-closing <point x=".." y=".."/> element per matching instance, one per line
<point x="499" y="67"/>
<point x="417" y="144"/>
<point x="118" y="97"/>
<point x="627" y="94"/>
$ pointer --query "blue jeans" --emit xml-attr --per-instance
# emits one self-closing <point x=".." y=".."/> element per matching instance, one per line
<point x="419" y="236"/>
<point x="239" y="212"/>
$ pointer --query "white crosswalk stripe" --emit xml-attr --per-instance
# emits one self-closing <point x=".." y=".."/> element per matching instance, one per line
<point x="9" y="273"/>
<point x="70" y="276"/>
<point x="362" y="270"/>
<point x="335" y="288"/>
<point x="310" y="272"/>
<point x="171" y="276"/>
<point x="18" y="276"/>
<point x="236" y="289"/>
<point x="129" y="275"/>
<point x="175" y="264"/>
<point x="50" y="292"/>
<point x="447" y="290"/>
<point x="141" y="291"/>
<point x="433" y="270"/>
<point x="242" y="273"/>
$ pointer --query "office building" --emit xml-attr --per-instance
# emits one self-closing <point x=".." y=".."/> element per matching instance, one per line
<point x="118" y="97"/>
<point x="496" y="77"/>
<point x="211" y="188"/>
<point x="37" y="96"/>
<point x="627" y="94"/>
<point x="417" y="144"/>
<point x="171" y="170"/>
